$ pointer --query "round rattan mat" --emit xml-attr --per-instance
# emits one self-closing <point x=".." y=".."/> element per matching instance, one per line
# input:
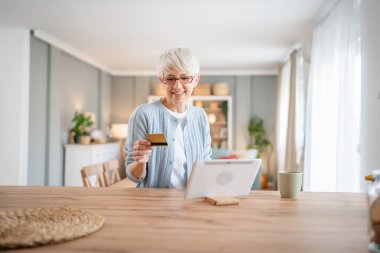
<point x="40" y="226"/>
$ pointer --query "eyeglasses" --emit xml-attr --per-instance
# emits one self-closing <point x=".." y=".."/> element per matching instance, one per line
<point x="172" y="80"/>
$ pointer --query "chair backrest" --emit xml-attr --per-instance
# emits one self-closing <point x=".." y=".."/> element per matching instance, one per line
<point x="96" y="172"/>
<point x="111" y="172"/>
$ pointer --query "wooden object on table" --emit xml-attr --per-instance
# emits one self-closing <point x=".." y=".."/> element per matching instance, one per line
<point x="95" y="171"/>
<point x="111" y="172"/>
<point x="222" y="200"/>
<point x="161" y="220"/>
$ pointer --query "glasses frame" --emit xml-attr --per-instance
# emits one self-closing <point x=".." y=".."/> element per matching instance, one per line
<point x="177" y="79"/>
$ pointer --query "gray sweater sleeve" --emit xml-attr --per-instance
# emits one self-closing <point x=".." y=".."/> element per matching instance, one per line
<point x="137" y="128"/>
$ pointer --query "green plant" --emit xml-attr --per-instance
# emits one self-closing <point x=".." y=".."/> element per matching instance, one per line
<point x="81" y="122"/>
<point x="225" y="108"/>
<point x="258" y="135"/>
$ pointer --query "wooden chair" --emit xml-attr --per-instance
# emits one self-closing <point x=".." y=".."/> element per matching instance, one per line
<point x="91" y="171"/>
<point x="111" y="172"/>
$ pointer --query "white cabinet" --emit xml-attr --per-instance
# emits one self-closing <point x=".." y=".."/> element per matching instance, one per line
<point x="77" y="156"/>
<point x="219" y="111"/>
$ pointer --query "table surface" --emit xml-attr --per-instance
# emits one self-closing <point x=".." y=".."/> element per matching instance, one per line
<point x="160" y="220"/>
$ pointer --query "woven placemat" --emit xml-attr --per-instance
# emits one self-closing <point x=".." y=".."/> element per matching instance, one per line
<point x="40" y="226"/>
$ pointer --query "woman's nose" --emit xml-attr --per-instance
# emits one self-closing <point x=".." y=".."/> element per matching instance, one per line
<point x="177" y="81"/>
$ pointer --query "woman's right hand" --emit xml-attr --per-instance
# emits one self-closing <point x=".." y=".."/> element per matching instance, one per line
<point x="141" y="151"/>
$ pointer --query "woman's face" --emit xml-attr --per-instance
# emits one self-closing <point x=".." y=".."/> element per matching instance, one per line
<point x="178" y="86"/>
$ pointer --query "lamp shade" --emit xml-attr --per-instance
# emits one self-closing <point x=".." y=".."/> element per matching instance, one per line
<point x="119" y="131"/>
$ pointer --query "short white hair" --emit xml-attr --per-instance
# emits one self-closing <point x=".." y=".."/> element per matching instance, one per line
<point x="179" y="59"/>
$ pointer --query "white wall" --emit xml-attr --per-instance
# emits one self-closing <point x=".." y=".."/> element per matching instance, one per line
<point x="14" y="100"/>
<point x="370" y="139"/>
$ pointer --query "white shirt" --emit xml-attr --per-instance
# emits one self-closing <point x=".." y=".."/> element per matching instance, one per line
<point x="177" y="179"/>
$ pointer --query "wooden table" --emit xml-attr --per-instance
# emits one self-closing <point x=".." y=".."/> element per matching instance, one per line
<point x="160" y="220"/>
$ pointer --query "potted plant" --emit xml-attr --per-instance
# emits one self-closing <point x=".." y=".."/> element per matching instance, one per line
<point x="258" y="139"/>
<point x="81" y="125"/>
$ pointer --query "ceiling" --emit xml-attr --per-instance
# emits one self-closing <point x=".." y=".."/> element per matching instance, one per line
<point x="127" y="36"/>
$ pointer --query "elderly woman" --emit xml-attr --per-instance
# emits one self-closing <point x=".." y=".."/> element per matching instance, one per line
<point x="186" y="127"/>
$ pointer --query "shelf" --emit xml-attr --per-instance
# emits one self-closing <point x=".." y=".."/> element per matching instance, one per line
<point x="221" y="128"/>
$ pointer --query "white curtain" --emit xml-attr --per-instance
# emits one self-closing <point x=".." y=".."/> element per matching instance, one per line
<point x="282" y="114"/>
<point x="332" y="161"/>
<point x="291" y="114"/>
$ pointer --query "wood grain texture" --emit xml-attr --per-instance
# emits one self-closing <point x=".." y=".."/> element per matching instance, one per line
<point x="160" y="220"/>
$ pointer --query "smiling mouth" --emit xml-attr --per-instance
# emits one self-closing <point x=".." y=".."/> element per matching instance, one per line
<point x="178" y="93"/>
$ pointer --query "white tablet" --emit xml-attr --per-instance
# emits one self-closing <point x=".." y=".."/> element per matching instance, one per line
<point x="222" y="178"/>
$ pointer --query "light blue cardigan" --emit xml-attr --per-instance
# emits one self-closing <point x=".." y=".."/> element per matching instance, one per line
<point x="153" y="118"/>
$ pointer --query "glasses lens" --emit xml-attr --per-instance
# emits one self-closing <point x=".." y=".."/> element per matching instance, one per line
<point x="169" y="80"/>
<point x="183" y="79"/>
<point x="186" y="79"/>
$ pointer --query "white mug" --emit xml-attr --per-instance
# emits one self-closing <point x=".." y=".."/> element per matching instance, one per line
<point x="289" y="183"/>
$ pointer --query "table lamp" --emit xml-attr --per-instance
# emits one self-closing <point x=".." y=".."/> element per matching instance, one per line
<point x="119" y="131"/>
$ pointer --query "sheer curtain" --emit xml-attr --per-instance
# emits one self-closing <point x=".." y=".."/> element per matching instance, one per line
<point x="291" y="114"/>
<point x="332" y="161"/>
<point x="282" y="114"/>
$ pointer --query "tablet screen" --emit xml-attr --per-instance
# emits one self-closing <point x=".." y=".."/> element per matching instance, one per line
<point x="222" y="178"/>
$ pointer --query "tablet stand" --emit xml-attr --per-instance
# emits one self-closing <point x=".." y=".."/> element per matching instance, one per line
<point x="222" y="200"/>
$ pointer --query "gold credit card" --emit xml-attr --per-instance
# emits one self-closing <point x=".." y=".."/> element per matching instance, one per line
<point x="157" y="139"/>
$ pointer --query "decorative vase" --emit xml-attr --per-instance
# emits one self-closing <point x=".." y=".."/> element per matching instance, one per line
<point x="76" y="139"/>
<point x="203" y="89"/>
<point x="85" y="139"/>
